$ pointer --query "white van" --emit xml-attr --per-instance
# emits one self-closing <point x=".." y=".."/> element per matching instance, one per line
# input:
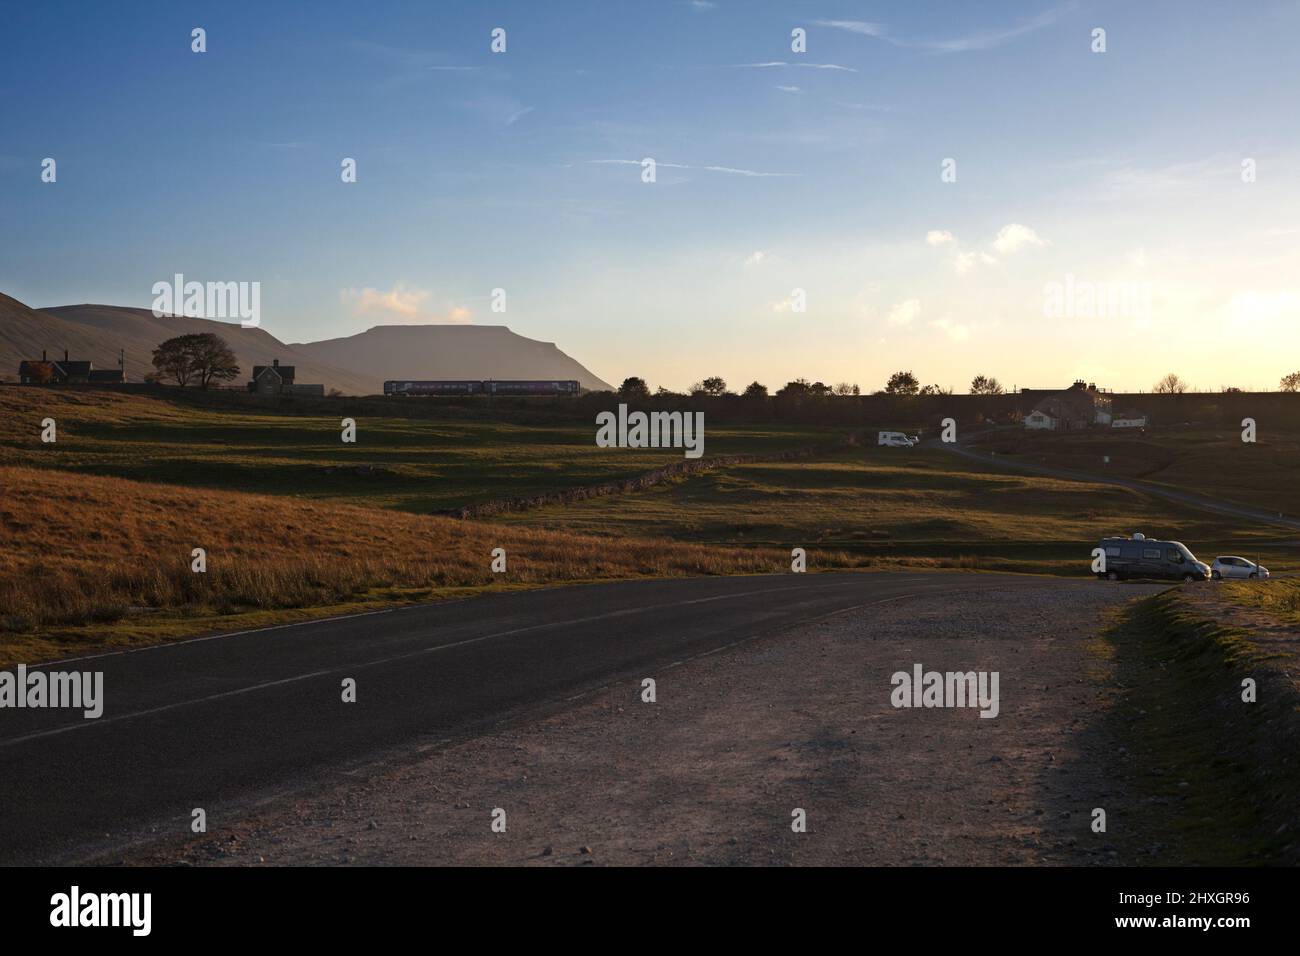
<point x="895" y="440"/>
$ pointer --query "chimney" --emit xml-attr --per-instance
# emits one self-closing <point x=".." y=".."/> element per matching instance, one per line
<point x="43" y="358"/>
<point x="65" y="355"/>
<point x="275" y="363"/>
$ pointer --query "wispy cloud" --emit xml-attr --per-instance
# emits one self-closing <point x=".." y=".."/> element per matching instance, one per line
<point x="868" y="107"/>
<point x="956" y="330"/>
<point x="498" y="109"/>
<point x="905" y="312"/>
<point x="729" y="170"/>
<point x="979" y="40"/>
<point x="779" y="64"/>
<point x="789" y="89"/>
<point x="409" y="66"/>
<point x="862" y="27"/>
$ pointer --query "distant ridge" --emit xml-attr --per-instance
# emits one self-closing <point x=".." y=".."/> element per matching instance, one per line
<point x="447" y="352"/>
<point x="356" y="365"/>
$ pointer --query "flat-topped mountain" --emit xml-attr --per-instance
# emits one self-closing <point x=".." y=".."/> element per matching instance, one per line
<point x="355" y="365"/>
<point x="447" y="352"/>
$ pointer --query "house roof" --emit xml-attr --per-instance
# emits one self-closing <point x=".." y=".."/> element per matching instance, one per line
<point x="1073" y="402"/>
<point x="283" y="372"/>
<point x="75" y="368"/>
<point x="107" y="375"/>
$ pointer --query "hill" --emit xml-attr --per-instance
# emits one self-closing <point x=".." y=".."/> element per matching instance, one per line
<point x="97" y="332"/>
<point x="356" y="365"/>
<point x="447" y="352"/>
<point x="88" y="562"/>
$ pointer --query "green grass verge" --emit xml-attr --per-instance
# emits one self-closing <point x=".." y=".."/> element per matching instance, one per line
<point x="1213" y="779"/>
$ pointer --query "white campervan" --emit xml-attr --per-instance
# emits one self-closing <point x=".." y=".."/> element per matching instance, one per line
<point x="895" y="440"/>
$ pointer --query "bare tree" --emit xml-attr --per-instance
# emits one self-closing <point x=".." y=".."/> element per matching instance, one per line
<point x="1290" y="382"/>
<point x="1171" y="384"/>
<point x="986" y="385"/>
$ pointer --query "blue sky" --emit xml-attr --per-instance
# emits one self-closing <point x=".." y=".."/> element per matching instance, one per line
<point x="777" y="171"/>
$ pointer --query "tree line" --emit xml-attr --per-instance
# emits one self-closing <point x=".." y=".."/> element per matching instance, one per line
<point x="899" y="383"/>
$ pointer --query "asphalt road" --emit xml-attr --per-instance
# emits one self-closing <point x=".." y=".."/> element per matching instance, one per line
<point x="219" y="722"/>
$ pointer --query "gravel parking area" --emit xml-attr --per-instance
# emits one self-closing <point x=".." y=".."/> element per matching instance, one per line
<point x="712" y="771"/>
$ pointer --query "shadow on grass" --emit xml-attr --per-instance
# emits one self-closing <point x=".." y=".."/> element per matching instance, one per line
<point x="1194" y="776"/>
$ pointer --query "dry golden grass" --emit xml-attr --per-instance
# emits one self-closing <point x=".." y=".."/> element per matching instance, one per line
<point x="85" y="560"/>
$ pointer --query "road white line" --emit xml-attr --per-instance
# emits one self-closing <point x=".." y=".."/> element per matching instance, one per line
<point x="347" y="617"/>
<point x="103" y="721"/>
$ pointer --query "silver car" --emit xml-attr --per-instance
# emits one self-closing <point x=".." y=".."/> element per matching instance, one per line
<point x="1231" y="566"/>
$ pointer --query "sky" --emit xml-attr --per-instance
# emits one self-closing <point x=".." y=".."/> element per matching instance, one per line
<point x="950" y="188"/>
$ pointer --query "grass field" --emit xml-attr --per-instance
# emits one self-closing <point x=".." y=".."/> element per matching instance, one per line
<point x="89" y="562"/>
<point x="418" y="465"/>
<point x="1204" y="460"/>
<point x="98" y="527"/>
<point x="909" y="504"/>
<point x="1213" y="776"/>
<point x="1279" y="599"/>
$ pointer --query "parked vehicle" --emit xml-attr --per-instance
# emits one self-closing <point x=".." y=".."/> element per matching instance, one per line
<point x="1142" y="557"/>
<point x="895" y="440"/>
<point x="1231" y="566"/>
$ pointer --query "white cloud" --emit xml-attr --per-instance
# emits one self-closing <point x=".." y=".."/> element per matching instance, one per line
<point x="963" y="262"/>
<point x="755" y="258"/>
<point x="957" y="331"/>
<point x="905" y="312"/>
<point x="400" y="303"/>
<point x="1015" y="236"/>
<point x="939" y="237"/>
<point x="789" y="89"/>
